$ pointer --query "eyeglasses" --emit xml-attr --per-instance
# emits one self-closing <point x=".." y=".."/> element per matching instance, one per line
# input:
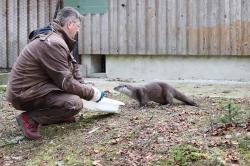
<point x="77" y="24"/>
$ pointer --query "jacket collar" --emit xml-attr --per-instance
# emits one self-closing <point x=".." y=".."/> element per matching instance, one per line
<point x="57" y="28"/>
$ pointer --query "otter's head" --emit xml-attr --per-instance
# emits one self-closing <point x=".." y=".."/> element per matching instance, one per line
<point x="125" y="89"/>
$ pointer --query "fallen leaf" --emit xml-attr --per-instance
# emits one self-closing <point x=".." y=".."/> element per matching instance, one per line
<point x="97" y="163"/>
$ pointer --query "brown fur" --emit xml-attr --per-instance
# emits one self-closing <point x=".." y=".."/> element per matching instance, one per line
<point x="159" y="92"/>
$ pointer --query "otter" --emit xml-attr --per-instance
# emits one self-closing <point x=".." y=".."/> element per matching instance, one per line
<point x="159" y="92"/>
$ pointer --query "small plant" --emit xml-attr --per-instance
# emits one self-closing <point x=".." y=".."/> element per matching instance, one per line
<point x="182" y="155"/>
<point x="232" y="114"/>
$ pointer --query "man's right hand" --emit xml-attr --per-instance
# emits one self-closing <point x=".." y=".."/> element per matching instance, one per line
<point x="98" y="95"/>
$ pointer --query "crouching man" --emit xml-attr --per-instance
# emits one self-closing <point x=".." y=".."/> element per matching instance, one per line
<point x="45" y="82"/>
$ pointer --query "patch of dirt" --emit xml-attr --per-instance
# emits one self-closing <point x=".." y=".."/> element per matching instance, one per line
<point x="135" y="136"/>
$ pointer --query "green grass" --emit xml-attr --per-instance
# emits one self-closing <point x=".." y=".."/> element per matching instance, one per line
<point x="184" y="155"/>
<point x="47" y="156"/>
<point x="244" y="145"/>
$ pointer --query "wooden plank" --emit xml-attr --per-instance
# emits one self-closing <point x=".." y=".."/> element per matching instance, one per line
<point x="23" y="24"/>
<point x="151" y="27"/>
<point x="162" y="27"/>
<point x="181" y="33"/>
<point x="203" y="27"/>
<point x="238" y="28"/>
<point x="171" y="26"/>
<point x="33" y="18"/>
<point x="86" y="35"/>
<point x="113" y="27"/>
<point x="192" y="33"/>
<point x="235" y="19"/>
<point x="224" y="27"/>
<point x="96" y="36"/>
<point x="213" y="24"/>
<point x="122" y="27"/>
<point x="53" y="4"/>
<point x="132" y="45"/>
<point x="141" y="26"/>
<point x="105" y="34"/>
<point x="3" y="32"/>
<point x="80" y="39"/>
<point x="47" y="9"/>
<point x="215" y="20"/>
<point x="232" y="27"/>
<point x="42" y="13"/>
<point x="245" y="27"/>
<point x="12" y="32"/>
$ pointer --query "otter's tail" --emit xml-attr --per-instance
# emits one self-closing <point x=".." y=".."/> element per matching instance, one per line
<point x="180" y="96"/>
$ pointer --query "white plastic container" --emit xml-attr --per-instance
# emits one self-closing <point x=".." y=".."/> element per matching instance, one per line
<point x="105" y="105"/>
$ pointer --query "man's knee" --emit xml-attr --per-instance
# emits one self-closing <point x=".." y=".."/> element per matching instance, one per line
<point x="73" y="102"/>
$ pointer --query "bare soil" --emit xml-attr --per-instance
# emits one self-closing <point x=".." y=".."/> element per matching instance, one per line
<point x="150" y="135"/>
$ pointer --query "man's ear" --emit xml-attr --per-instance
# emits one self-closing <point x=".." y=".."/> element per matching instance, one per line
<point x="68" y="24"/>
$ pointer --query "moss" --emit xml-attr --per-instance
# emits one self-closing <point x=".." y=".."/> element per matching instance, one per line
<point x="108" y="151"/>
<point x="245" y="149"/>
<point x="162" y="162"/>
<point x="71" y="159"/>
<point x="45" y="156"/>
<point x="213" y="158"/>
<point x="89" y="162"/>
<point x="49" y="156"/>
<point x="52" y="131"/>
<point x="245" y="143"/>
<point x="181" y="155"/>
<point x="245" y="155"/>
<point x="134" y="133"/>
<point x="2" y="88"/>
<point x="185" y="154"/>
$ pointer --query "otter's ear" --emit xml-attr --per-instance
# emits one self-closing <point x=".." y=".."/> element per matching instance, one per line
<point x="120" y="85"/>
<point x="124" y="86"/>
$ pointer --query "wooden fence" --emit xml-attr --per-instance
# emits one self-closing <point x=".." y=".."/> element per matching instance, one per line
<point x="17" y="19"/>
<point x="166" y="27"/>
<point x="186" y="27"/>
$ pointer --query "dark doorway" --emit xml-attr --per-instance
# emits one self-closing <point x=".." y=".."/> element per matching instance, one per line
<point x="99" y="63"/>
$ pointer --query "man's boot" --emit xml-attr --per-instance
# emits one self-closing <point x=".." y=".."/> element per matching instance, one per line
<point x="28" y="126"/>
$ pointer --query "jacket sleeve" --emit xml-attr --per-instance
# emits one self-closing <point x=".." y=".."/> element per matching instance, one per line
<point x="77" y="74"/>
<point x="56" y="64"/>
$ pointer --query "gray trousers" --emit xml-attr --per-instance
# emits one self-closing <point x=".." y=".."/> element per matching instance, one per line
<point x="53" y="108"/>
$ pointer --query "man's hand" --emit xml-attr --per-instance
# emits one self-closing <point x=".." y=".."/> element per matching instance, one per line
<point x="98" y="95"/>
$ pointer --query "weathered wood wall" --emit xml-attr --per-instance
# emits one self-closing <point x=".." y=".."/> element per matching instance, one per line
<point x="187" y="27"/>
<point x="17" y="19"/>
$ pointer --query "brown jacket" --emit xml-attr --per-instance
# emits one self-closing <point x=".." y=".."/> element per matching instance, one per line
<point x="45" y="65"/>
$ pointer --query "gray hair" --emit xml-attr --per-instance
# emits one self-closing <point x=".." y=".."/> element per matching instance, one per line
<point x="67" y="13"/>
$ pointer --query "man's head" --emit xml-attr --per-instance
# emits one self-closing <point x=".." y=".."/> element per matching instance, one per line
<point x="70" y="20"/>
